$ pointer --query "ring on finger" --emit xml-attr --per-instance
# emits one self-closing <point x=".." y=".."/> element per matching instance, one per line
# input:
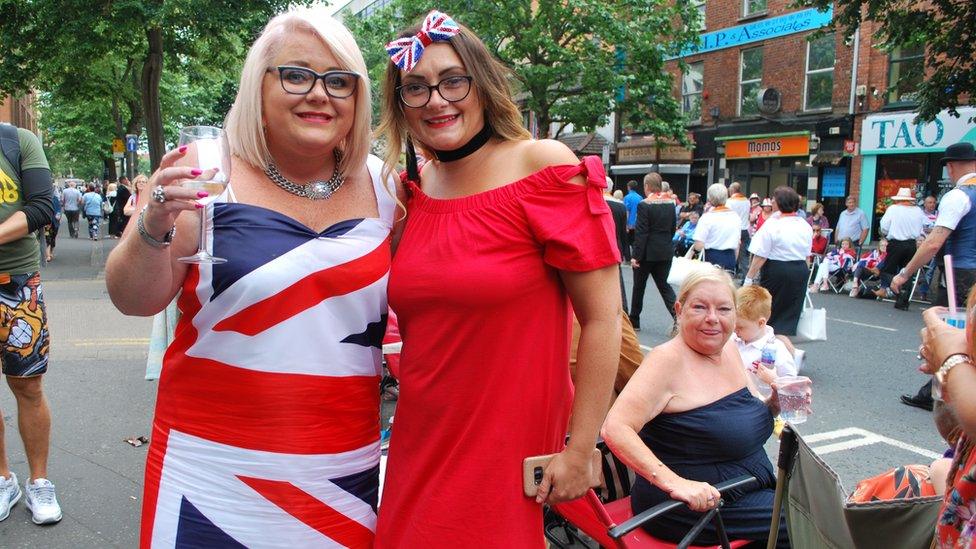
<point x="159" y="195"/>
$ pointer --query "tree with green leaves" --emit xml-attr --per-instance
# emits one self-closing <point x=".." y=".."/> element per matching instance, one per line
<point x="945" y="29"/>
<point x="575" y="61"/>
<point x="56" y="44"/>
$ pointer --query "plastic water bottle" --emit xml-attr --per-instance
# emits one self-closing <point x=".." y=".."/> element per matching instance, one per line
<point x="768" y="357"/>
<point x="766" y="360"/>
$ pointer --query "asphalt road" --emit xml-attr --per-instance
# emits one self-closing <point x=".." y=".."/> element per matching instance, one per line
<point x="99" y="397"/>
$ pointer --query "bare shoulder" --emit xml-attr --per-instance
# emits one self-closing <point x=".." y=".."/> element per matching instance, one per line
<point x="661" y="359"/>
<point x="541" y="153"/>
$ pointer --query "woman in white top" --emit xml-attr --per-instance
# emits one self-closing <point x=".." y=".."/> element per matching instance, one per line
<point x="779" y="250"/>
<point x="718" y="232"/>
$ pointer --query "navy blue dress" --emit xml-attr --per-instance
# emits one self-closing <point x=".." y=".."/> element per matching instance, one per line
<point x="716" y="442"/>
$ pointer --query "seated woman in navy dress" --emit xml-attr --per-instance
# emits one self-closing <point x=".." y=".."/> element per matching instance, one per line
<point x="689" y="419"/>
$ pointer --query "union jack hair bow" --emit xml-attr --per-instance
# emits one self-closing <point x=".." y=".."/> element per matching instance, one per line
<point x="406" y="52"/>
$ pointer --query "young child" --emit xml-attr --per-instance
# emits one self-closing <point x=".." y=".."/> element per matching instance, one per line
<point x="869" y="263"/>
<point x="753" y="306"/>
<point x="842" y="258"/>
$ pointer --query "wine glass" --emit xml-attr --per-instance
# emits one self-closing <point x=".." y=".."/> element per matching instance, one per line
<point x="208" y="152"/>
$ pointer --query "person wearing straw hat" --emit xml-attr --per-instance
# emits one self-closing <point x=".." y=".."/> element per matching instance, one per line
<point x="902" y="224"/>
<point x="954" y="234"/>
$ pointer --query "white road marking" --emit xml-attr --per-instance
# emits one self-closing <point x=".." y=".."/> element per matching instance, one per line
<point x="863" y="324"/>
<point x="861" y="437"/>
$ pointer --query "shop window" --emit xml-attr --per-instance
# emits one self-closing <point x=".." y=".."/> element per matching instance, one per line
<point x="691" y="91"/>
<point x="819" y="89"/>
<point x="750" y="80"/>
<point x="753" y="7"/>
<point x="759" y="165"/>
<point x="906" y="69"/>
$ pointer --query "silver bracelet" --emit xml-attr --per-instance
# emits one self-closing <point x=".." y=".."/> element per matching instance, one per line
<point x="147" y="238"/>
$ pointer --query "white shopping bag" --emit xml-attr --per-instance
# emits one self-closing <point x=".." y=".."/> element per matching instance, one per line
<point x="681" y="267"/>
<point x="813" y="323"/>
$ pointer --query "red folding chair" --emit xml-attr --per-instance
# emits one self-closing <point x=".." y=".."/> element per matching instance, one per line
<point x="614" y="525"/>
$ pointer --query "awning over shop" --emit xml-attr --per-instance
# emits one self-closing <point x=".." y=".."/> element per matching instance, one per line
<point x="828" y="158"/>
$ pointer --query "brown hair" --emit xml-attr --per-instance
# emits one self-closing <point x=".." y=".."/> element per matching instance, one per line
<point x="490" y="83"/>
<point x="753" y="302"/>
<point x="786" y="199"/>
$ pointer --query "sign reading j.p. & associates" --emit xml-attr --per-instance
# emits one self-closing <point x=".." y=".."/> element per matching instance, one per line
<point x="763" y="29"/>
<point x="787" y="145"/>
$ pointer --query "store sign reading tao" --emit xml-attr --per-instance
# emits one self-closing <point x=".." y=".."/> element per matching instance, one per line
<point x="898" y="133"/>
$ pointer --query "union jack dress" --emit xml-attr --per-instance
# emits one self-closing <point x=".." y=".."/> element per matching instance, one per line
<point x="266" y="432"/>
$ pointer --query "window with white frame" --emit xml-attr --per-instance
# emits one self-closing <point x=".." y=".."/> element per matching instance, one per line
<point x="691" y="91"/>
<point x="819" y="88"/>
<point x="750" y="80"/>
<point x="752" y="7"/>
<point x="906" y="69"/>
<point x="700" y="7"/>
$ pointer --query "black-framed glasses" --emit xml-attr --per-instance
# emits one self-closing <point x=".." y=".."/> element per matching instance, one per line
<point x="452" y="89"/>
<point x="300" y="81"/>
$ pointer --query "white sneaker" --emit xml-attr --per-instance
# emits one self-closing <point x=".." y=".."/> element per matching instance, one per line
<point x="9" y="494"/>
<point x="42" y="502"/>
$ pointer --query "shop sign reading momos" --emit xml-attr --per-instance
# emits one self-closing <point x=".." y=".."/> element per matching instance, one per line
<point x="787" y="145"/>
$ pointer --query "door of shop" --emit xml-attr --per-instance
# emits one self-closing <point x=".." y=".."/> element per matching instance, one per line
<point x="759" y="184"/>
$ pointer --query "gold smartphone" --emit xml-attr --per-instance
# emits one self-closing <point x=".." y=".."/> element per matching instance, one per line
<point x="533" y="468"/>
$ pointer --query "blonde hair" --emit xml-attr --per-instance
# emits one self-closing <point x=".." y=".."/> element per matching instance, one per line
<point x="244" y="122"/>
<point x="753" y="302"/>
<point x="490" y="84"/>
<point x="705" y="273"/>
<point x="653" y="181"/>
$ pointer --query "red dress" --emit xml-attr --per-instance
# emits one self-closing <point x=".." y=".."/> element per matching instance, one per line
<point x="484" y="372"/>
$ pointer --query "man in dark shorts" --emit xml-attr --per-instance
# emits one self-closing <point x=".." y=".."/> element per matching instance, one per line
<point x="25" y="208"/>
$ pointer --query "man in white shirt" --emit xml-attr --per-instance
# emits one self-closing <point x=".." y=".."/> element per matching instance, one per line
<point x="955" y="228"/>
<point x="852" y="223"/>
<point x="739" y="204"/>
<point x="902" y="224"/>
<point x="71" y="203"/>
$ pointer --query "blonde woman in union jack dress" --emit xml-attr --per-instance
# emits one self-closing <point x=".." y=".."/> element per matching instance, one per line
<point x="266" y="431"/>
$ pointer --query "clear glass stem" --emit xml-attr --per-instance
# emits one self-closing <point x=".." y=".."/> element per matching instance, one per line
<point x="203" y="248"/>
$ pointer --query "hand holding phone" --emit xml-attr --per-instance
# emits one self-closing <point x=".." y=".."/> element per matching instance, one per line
<point x="533" y="470"/>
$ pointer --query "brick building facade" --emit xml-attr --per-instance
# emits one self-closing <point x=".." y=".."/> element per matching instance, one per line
<point x="772" y="106"/>
<point x="20" y="112"/>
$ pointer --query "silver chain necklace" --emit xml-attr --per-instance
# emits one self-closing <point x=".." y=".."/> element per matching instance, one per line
<point x="314" y="190"/>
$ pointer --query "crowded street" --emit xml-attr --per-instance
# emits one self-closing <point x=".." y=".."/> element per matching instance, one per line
<point x="99" y="398"/>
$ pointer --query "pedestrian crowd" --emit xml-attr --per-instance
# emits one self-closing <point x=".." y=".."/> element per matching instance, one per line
<point x="266" y="427"/>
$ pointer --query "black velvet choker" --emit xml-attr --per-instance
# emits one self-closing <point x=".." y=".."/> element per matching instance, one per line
<point x="468" y="148"/>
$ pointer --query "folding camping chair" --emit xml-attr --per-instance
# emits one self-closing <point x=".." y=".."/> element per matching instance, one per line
<point x="613" y="525"/>
<point x="835" y="280"/>
<point x="819" y="515"/>
<point x="925" y="273"/>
